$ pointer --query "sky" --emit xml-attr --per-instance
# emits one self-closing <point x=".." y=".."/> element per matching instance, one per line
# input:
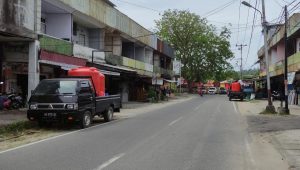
<point x="238" y="18"/>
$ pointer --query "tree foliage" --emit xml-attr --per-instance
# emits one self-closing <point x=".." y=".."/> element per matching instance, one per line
<point x="203" y="51"/>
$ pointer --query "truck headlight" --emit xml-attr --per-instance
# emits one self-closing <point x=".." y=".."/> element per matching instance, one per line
<point x="72" y="106"/>
<point x="33" y="106"/>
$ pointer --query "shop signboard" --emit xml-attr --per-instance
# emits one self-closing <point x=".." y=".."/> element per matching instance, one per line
<point x="157" y="81"/>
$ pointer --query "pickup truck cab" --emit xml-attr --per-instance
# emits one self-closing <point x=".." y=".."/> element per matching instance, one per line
<point x="70" y="100"/>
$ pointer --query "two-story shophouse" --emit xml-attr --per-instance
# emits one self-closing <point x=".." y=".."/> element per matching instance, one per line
<point x="72" y="33"/>
<point x="276" y="51"/>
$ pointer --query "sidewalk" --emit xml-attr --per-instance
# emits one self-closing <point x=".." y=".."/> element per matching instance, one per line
<point x="283" y="132"/>
<point x="12" y="116"/>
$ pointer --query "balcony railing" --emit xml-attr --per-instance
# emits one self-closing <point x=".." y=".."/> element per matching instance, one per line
<point x="135" y="64"/>
<point x="56" y="45"/>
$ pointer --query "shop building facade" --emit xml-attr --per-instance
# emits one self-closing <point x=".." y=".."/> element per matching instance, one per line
<point x="68" y="34"/>
<point x="276" y="50"/>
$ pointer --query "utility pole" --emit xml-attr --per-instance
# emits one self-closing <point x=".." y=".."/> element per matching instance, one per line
<point x="270" y="107"/>
<point x="241" y="46"/>
<point x="286" y="109"/>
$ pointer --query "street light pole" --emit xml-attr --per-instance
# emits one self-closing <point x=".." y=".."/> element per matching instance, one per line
<point x="270" y="107"/>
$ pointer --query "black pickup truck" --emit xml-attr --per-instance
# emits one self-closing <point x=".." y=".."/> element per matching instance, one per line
<point x="70" y="100"/>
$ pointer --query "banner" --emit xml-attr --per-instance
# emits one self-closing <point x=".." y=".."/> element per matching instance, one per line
<point x="176" y="67"/>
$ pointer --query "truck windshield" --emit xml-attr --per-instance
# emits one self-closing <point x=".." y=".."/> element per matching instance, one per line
<point x="56" y="87"/>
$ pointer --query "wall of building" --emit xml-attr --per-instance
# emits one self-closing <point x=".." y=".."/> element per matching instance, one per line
<point x="18" y="17"/>
<point x="59" y="25"/>
<point x="94" y="38"/>
<point x="82" y="36"/>
<point x="273" y="56"/>
<point x="280" y="52"/>
<point x="113" y="18"/>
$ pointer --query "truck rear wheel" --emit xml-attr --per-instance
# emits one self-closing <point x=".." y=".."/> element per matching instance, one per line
<point x="86" y="120"/>
<point x="108" y="114"/>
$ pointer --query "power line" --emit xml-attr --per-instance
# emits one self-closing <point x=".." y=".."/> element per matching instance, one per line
<point x="218" y="9"/>
<point x="247" y="23"/>
<point x="294" y="8"/>
<point x="238" y="34"/>
<point x="250" y="41"/>
<point x="141" y="6"/>
<point x="276" y="1"/>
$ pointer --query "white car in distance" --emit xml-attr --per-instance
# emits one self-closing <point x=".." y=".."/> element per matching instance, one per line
<point x="212" y="90"/>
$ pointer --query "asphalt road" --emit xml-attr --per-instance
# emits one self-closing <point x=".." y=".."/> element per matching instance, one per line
<point x="199" y="134"/>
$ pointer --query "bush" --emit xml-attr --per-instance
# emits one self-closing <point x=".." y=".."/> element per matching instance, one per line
<point x="152" y="94"/>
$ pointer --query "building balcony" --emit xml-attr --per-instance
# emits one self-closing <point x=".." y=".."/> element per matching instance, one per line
<point x="142" y="67"/>
<point x="60" y="46"/>
<point x="278" y="68"/>
<point x="56" y="45"/>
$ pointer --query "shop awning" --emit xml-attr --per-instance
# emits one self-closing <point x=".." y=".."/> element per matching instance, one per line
<point x="63" y="66"/>
<point x="119" y="68"/>
<point x="69" y="67"/>
<point x="111" y="73"/>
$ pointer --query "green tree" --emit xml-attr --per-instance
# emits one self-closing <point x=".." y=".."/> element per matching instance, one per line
<point x="203" y="51"/>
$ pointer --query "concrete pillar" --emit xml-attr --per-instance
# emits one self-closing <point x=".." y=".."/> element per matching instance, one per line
<point x="125" y="91"/>
<point x="102" y="39"/>
<point x="113" y="42"/>
<point x="33" y="67"/>
<point x="117" y="45"/>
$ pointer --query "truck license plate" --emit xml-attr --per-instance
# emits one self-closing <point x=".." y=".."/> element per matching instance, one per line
<point x="50" y="114"/>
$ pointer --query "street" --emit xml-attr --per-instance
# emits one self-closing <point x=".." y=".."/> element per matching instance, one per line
<point x="201" y="133"/>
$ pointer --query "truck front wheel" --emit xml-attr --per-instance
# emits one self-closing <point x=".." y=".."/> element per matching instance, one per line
<point x="86" y="120"/>
<point x="108" y="114"/>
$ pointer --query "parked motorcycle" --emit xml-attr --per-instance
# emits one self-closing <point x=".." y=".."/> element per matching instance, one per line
<point x="16" y="101"/>
<point x="276" y="95"/>
<point x="4" y="102"/>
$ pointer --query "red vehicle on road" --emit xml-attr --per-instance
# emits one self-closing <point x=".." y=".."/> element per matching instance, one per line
<point x="235" y="91"/>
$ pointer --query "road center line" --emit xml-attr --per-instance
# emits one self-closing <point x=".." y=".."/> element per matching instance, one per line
<point x="235" y="109"/>
<point x="172" y="123"/>
<point x="198" y="107"/>
<point x="112" y="160"/>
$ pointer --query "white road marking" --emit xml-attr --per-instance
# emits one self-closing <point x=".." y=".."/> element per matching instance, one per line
<point x="197" y="108"/>
<point x="54" y="137"/>
<point x="248" y="148"/>
<point x="172" y="123"/>
<point x="235" y="109"/>
<point x="112" y="160"/>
